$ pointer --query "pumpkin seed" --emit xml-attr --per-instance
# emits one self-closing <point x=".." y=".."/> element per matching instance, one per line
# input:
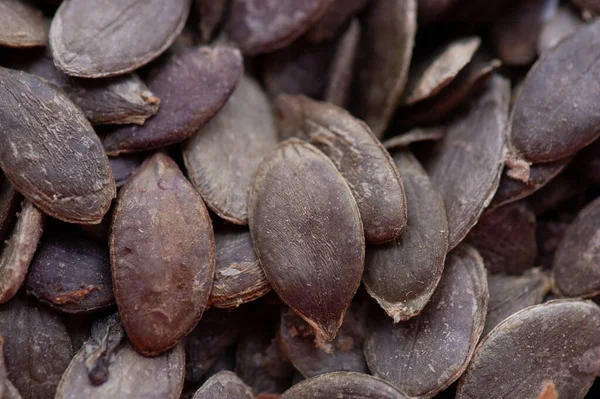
<point x="21" y="25"/>
<point x="224" y="384"/>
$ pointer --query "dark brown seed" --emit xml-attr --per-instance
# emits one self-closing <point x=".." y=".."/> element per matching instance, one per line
<point x="359" y="156"/>
<point x="558" y="341"/>
<point x="555" y="113"/>
<point x="465" y="166"/>
<point x="9" y="204"/>
<point x="509" y="294"/>
<point x="343" y="385"/>
<point x="261" y="27"/>
<point x="121" y="100"/>
<point x="225" y="385"/>
<point x="131" y="376"/>
<point x="213" y="336"/>
<point x="592" y="5"/>
<point x="19" y="250"/>
<point x="429" y="75"/>
<point x="21" y="25"/>
<point x="415" y="135"/>
<point x="563" y="24"/>
<point x="403" y="274"/>
<point x="426" y="354"/>
<point x="515" y="32"/>
<point x="71" y="273"/>
<point x="341" y="71"/>
<point x="296" y="340"/>
<point x="337" y="15"/>
<point x="37" y="347"/>
<point x="505" y="238"/>
<point x="192" y="87"/>
<point x="307" y="234"/>
<point x="239" y="277"/>
<point x="384" y="58"/>
<point x="106" y="337"/>
<point x="211" y="13"/>
<point x="50" y="152"/>
<point x="111" y="37"/>
<point x="576" y="269"/>
<point x="124" y="166"/>
<point x="222" y="158"/>
<point x="162" y="256"/>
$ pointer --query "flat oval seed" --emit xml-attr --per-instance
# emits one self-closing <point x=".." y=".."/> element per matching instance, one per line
<point x="162" y="256"/>
<point x="226" y="385"/>
<point x="50" y="152"/>
<point x="505" y="238"/>
<point x="37" y="347"/>
<point x="555" y="113"/>
<point x="307" y="233"/>
<point x="21" y="25"/>
<point x="130" y="376"/>
<point x="71" y="273"/>
<point x="9" y="203"/>
<point x="337" y="15"/>
<point x="343" y="385"/>
<point x="465" y="166"/>
<point x="384" y="58"/>
<point x="418" y="356"/>
<point x="111" y="37"/>
<point x="509" y="294"/>
<point x="192" y="87"/>
<point x="576" y="269"/>
<point x="239" y="277"/>
<point x="222" y="158"/>
<point x="403" y="274"/>
<point x="556" y="342"/>
<point x="359" y="156"/>
<point x="19" y="250"/>
<point x="261" y="27"/>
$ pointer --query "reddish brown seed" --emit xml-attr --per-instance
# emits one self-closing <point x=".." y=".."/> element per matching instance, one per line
<point x="384" y="58"/>
<point x="307" y="233"/>
<point x="50" y="152"/>
<point x="259" y="26"/>
<point x="337" y="15"/>
<point x="548" y="392"/>
<point x="19" y="250"/>
<point x="359" y="156"/>
<point x="341" y="70"/>
<point x="192" y="87"/>
<point x="162" y="256"/>
<point x="222" y="158"/>
<point x="111" y="37"/>
<point x="225" y="385"/>
<point x="9" y="203"/>
<point x="21" y="25"/>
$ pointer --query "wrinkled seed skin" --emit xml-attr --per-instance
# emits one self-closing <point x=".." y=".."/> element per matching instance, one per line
<point x="558" y="341"/>
<point x="131" y="376"/>
<point x="343" y="385"/>
<point x="71" y="273"/>
<point x="403" y="274"/>
<point x="337" y="15"/>
<point x="50" y="152"/>
<point x="21" y="25"/>
<point x="364" y="163"/>
<point x="37" y="347"/>
<point x="307" y="233"/>
<point x="417" y="356"/>
<point x="465" y="166"/>
<point x="19" y="250"/>
<point x="224" y="385"/>
<point x="192" y="87"/>
<point x="576" y="269"/>
<point x="105" y="38"/>
<point x="222" y="158"/>
<point x="162" y="256"/>
<point x="555" y="113"/>
<point x="262" y="26"/>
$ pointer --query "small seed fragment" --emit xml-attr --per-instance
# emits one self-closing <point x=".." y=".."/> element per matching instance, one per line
<point x="417" y="356"/>
<point x="222" y="158"/>
<point x="50" y="152"/>
<point x="162" y="256"/>
<point x="298" y="189"/>
<point x="558" y="341"/>
<point x="359" y="156"/>
<point x="21" y="25"/>
<point x="192" y="87"/>
<point x="226" y="385"/>
<point x="111" y="37"/>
